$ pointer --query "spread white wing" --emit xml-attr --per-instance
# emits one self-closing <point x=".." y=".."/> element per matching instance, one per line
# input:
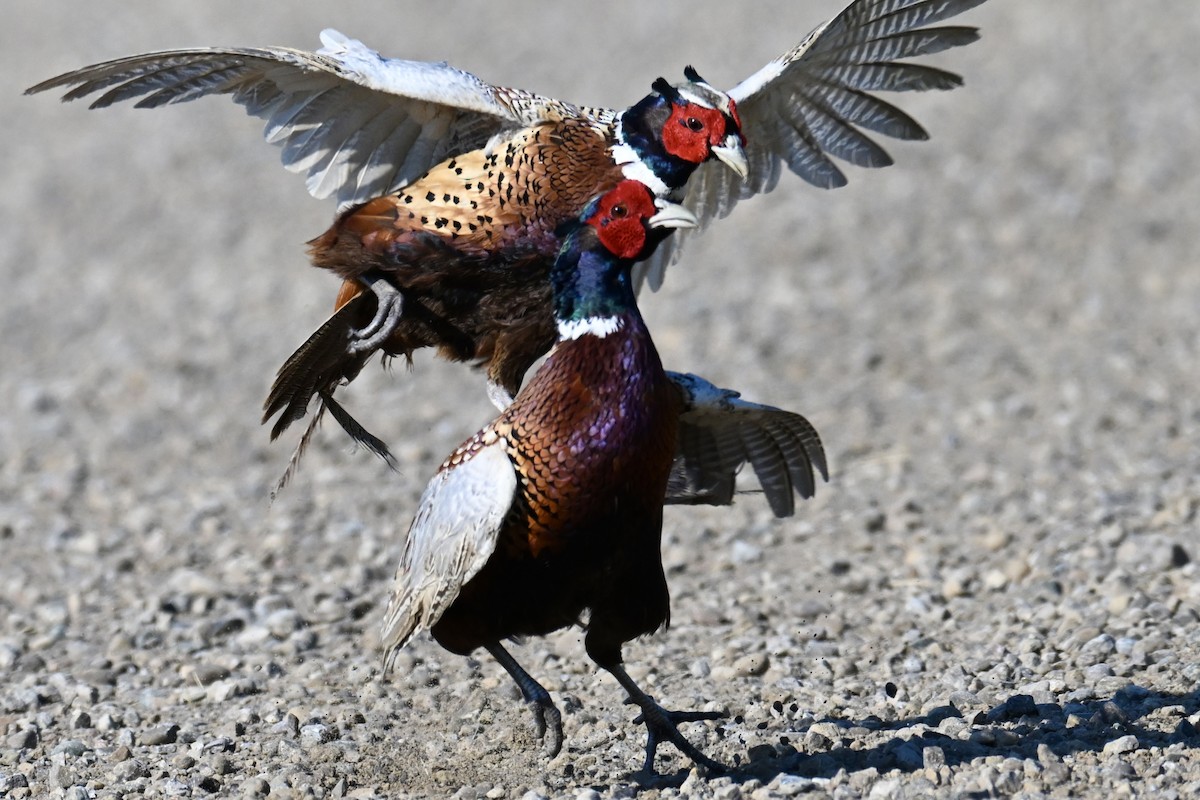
<point x="814" y="102"/>
<point x="451" y="538"/>
<point x="719" y="433"/>
<point x="358" y="125"/>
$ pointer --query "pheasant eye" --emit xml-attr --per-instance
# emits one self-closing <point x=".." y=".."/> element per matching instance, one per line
<point x="695" y="124"/>
<point x="618" y="211"/>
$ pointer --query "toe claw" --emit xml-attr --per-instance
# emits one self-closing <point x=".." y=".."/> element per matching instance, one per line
<point x="388" y="310"/>
<point x="663" y="725"/>
<point x="547" y="725"/>
<point x="547" y="719"/>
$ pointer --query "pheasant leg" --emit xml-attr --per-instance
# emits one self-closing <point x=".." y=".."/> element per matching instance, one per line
<point x="546" y="716"/>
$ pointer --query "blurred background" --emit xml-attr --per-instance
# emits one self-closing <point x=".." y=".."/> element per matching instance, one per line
<point x="997" y="337"/>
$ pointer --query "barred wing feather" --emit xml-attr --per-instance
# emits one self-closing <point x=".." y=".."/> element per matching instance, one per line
<point x="813" y="104"/>
<point x="358" y="125"/>
<point x="719" y="433"/>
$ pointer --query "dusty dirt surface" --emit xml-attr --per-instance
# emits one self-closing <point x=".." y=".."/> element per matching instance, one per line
<point x="999" y="338"/>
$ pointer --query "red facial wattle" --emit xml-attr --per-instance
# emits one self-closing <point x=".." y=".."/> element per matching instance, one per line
<point x="692" y="131"/>
<point x="620" y="219"/>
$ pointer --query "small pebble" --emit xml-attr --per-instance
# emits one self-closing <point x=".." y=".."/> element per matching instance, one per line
<point x="257" y="787"/>
<point x="210" y="784"/>
<point x="14" y="781"/>
<point x="130" y="769"/>
<point x="745" y="553"/>
<point x="163" y="734"/>
<point x="751" y="665"/>
<point x="22" y="740"/>
<point x="1125" y="744"/>
<point x="71" y="747"/>
<point x="61" y="776"/>
<point x="289" y="726"/>
<point x="1015" y="707"/>
<point x="317" y="734"/>
<point x="206" y="674"/>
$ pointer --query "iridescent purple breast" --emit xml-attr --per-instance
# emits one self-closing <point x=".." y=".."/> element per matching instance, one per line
<point x="592" y="436"/>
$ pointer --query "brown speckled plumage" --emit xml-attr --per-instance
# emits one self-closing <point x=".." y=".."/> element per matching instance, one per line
<point x="470" y="245"/>
<point x="480" y="202"/>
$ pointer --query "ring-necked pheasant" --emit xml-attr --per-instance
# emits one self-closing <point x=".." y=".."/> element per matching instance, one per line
<point x="391" y="138"/>
<point x="555" y="508"/>
<point x="485" y="175"/>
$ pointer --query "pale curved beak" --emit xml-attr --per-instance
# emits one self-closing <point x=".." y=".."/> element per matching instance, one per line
<point x="733" y="155"/>
<point x="672" y="215"/>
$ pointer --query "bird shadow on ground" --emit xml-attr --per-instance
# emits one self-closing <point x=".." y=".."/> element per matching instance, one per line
<point x="1017" y="728"/>
<point x="942" y="738"/>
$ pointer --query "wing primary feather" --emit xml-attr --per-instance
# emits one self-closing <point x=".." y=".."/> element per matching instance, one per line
<point x="890" y="77"/>
<point x="894" y="46"/>
<point x="281" y="113"/>
<point x="719" y="433"/>
<point x="375" y="176"/>
<point x="458" y="112"/>
<point x="795" y="456"/>
<point x="769" y="465"/>
<point x="841" y="139"/>
<point x="810" y="99"/>
<point x="351" y="144"/>
<point x="308" y="125"/>
<point x="870" y="112"/>
<point x="806" y="159"/>
<point x="907" y="15"/>
<point x="216" y="80"/>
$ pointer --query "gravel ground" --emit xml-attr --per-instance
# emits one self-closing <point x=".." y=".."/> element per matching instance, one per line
<point x="998" y="338"/>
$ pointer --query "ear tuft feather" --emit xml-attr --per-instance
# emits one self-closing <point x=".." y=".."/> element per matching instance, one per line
<point x="664" y="88"/>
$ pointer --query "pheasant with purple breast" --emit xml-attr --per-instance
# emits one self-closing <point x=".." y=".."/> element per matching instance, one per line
<point x="554" y="510"/>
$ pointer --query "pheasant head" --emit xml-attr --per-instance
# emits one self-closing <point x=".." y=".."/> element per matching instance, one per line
<point x="591" y="276"/>
<point x="670" y="132"/>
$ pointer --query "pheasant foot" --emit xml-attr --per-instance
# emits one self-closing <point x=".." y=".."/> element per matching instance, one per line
<point x="387" y="315"/>
<point x="547" y="719"/>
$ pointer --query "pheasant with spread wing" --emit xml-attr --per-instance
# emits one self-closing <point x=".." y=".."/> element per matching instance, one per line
<point x="453" y="188"/>
<point x="458" y="256"/>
